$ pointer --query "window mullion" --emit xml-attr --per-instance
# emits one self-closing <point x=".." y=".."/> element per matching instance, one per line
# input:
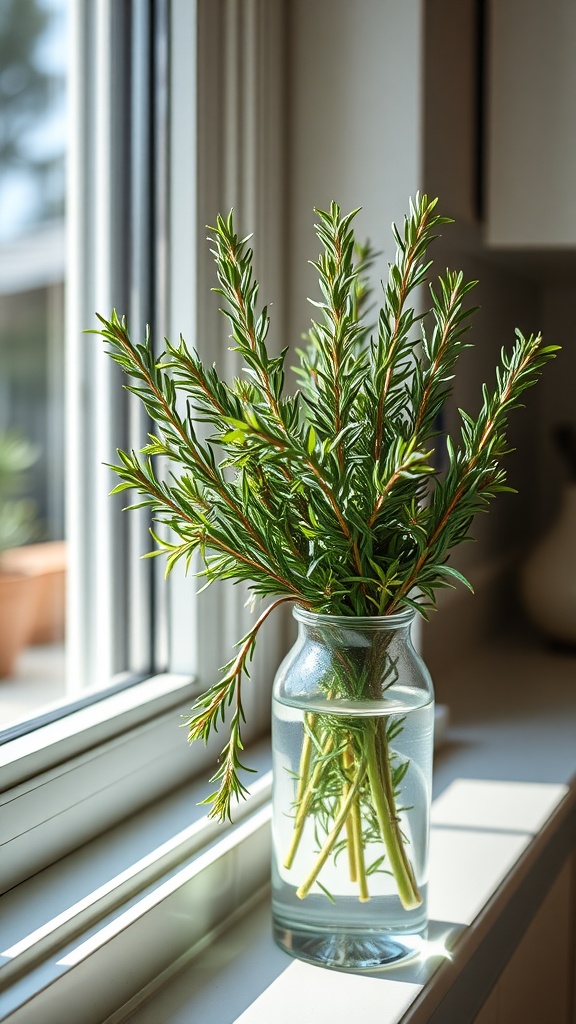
<point x="142" y="655"/>
<point x="109" y="245"/>
<point x="233" y="134"/>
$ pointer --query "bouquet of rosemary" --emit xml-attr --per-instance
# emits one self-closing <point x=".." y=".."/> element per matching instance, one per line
<point x="329" y="498"/>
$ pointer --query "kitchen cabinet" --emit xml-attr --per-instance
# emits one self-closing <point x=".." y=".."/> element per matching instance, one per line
<point x="536" y="984"/>
<point x="530" y="130"/>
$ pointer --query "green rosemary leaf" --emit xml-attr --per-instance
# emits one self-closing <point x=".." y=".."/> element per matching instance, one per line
<point x="327" y="894"/>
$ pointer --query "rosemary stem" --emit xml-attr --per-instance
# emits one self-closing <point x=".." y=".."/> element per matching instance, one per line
<point x="351" y="838"/>
<point x="339" y="821"/>
<point x="355" y="818"/>
<point x="304" y="768"/>
<point x="350" y="842"/>
<point x="380" y="780"/>
<point x="305" y="802"/>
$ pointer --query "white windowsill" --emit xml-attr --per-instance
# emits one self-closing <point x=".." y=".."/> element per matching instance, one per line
<point x="62" y="923"/>
<point x="487" y="836"/>
<point x="51" y="744"/>
<point x="515" y="712"/>
<point x="68" y="781"/>
<point x="242" y="978"/>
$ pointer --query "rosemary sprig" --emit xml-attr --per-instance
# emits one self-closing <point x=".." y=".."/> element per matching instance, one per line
<point x="329" y="498"/>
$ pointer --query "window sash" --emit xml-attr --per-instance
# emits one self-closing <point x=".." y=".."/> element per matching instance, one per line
<point x="71" y="780"/>
<point x="115" y="600"/>
<point x="111" y="250"/>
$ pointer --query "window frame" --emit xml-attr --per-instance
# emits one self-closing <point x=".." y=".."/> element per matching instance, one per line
<point x="222" y="107"/>
<point x="110" y="100"/>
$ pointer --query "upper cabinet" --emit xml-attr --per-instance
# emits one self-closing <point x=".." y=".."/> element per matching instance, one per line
<point x="531" y="124"/>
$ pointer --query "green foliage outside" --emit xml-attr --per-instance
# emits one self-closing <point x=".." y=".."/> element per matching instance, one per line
<point x="17" y="514"/>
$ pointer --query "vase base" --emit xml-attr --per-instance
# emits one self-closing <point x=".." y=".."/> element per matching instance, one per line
<point x="347" y="951"/>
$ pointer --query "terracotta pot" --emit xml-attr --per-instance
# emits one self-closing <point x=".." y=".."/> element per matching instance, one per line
<point x="47" y="562"/>
<point x="19" y="595"/>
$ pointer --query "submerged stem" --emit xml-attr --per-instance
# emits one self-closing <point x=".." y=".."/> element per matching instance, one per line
<point x="305" y="801"/>
<point x="356" y="820"/>
<point x="345" y="806"/>
<point x="304" y="769"/>
<point x="351" y="842"/>
<point x="380" y="778"/>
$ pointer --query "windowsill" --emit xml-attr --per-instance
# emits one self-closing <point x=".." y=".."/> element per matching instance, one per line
<point x="49" y="894"/>
<point x="70" y="780"/>
<point x="489" y="837"/>
<point x="52" y="744"/>
<point x="496" y="847"/>
<point x="48" y="921"/>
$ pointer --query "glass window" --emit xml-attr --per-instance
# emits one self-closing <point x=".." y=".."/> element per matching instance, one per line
<point x="80" y="93"/>
<point x="146" y="148"/>
<point x="33" y="134"/>
<point x="104" y="737"/>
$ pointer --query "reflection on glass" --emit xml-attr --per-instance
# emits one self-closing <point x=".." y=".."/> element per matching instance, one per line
<point x="32" y="192"/>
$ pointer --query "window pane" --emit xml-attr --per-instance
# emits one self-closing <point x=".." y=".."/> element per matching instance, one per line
<point x="33" y="53"/>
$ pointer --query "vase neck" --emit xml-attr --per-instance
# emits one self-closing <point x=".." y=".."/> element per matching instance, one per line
<point x="350" y="631"/>
<point x="366" y="623"/>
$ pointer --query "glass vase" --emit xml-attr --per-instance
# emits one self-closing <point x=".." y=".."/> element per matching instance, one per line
<point x="353" y="718"/>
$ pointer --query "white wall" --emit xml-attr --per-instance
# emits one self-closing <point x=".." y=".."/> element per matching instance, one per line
<point x="355" y="119"/>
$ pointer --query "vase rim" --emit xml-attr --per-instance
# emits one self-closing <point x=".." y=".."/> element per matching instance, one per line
<point x="394" y="621"/>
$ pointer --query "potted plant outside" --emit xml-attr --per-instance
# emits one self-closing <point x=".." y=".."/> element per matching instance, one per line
<point x="330" y="499"/>
<point x="18" y="588"/>
<point x="47" y="561"/>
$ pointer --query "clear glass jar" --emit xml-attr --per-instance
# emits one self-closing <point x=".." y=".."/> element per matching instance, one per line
<point x="353" y="718"/>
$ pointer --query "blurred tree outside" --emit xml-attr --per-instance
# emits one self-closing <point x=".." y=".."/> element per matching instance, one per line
<point x="32" y="201"/>
<point x="32" y="90"/>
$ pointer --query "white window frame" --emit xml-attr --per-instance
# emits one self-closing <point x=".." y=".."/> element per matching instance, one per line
<point x="93" y="767"/>
<point x="108" y="226"/>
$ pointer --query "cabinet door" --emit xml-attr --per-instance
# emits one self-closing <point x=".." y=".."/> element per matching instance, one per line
<point x="536" y="985"/>
<point x="531" y="137"/>
<point x="489" y="1012"/>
